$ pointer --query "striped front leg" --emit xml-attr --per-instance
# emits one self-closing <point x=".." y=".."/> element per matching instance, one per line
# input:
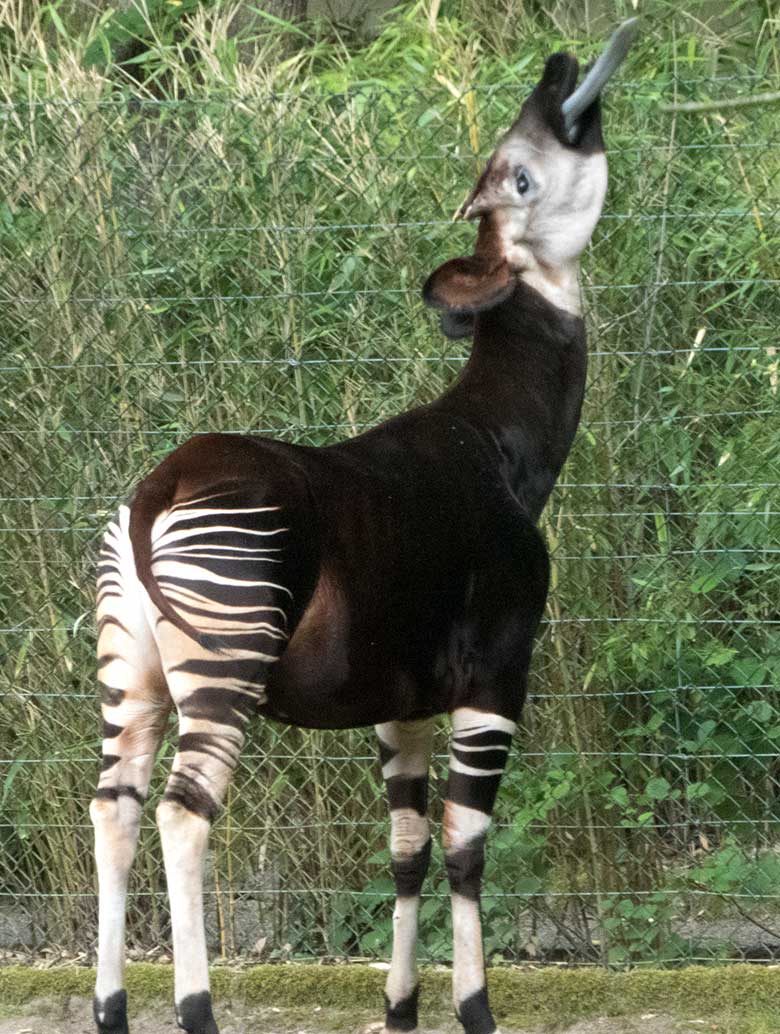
<point x="478" y="751"/>
<point x="405" y="751"/>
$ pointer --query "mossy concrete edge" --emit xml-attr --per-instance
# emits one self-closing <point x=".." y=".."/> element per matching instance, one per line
<point x="517" y="995"/>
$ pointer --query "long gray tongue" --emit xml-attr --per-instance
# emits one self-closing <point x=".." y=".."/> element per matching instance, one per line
<point x="591" y="86"/>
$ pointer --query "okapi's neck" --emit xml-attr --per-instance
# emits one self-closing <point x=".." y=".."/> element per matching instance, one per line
<point x="524" y="384"/>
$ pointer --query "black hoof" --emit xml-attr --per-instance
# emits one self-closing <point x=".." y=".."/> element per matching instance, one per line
<point x="475" y="1015"/>
<point x="111" y="1014"/>
<point x="194" y="1014"/>
<point x="403" y="1015"/>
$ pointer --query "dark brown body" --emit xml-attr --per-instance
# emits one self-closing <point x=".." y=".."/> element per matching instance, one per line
<point x="416" y="571"/>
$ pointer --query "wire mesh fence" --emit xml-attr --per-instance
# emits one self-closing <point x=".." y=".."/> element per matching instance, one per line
<point x="253" y="265"/>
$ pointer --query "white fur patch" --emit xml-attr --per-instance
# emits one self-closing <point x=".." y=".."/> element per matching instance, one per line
<point x="544" y="233"/>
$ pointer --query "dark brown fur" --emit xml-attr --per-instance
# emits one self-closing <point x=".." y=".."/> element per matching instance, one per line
<point x="417" y="575"/>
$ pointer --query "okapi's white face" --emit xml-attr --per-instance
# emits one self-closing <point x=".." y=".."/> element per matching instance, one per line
<point x="545" y="197"/>
<point x="538" y="200"/>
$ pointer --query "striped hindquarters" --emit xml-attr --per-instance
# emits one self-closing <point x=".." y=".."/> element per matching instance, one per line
<point x="216" y="560"/>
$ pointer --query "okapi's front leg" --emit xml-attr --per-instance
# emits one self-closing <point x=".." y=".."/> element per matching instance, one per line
<point x="405" y="751"/>
<point x="478" y="751"/>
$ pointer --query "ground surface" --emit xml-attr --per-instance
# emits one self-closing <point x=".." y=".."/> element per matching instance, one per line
<point x="344" y="999"/>
<point x="75" y="1017"/>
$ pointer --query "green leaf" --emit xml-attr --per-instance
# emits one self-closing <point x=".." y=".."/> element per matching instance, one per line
<point x="527" y="885"/>
<point x="426" y="117"/>
<point x="617" y="954"/>
<point x="719" y="656"/>
<point x="658" y="788"/>
<point x="705" y="730"/>
<point x="696" y="791"/>
<point x="727" y="566"/>
<point x="619" y="794"/>
<point x="13" y="771"/>
<point x="140" y="59"/>
<point x="56" y="21"/>
<point x="288" y="26"/>
<point x="431" y="907"/>
<point x="760" y="711"/>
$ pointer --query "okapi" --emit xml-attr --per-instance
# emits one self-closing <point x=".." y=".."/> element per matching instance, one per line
<point x="383" y="580"/>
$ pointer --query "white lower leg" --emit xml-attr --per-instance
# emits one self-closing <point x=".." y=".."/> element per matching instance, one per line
<point x="116" y="833"/>
<point x="480" y="742"/>
<point x="468" y="962"/>
<point x="201" y="770"/>
<point x="184" y="837"/>
<point x="406" y="750"/>
<point x="410" y="851"/>
<point x="464" y="833"/>
<point x="402" y="978"/>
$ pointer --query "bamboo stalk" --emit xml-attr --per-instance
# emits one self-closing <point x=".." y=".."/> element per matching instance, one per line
<point x="726" y="102"/>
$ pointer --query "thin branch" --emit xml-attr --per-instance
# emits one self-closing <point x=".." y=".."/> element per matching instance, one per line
<point x="729" y="102"/>
<point x="747" y="916"/>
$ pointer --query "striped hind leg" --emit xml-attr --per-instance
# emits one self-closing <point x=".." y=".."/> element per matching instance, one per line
<point x="135" y="709"/>
<point x="405" y="752"/>
<point x="215" y="696"/>
<point x="219" y="559"/>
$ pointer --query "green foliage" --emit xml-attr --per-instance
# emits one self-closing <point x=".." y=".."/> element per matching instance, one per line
<point x="730" y="870"/>
<point x="138" y="35"/>
<point x="640" y="930"/>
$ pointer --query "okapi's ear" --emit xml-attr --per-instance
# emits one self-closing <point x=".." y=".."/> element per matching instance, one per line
<point x="558" y="81"/>
<point x="474" y="283"/>
<point x="465" y="286"/>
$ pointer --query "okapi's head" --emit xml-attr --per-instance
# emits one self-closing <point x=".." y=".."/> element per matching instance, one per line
<point x="538" y="199"/>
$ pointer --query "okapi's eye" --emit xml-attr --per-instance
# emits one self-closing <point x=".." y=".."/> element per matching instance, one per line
<point x="522" y="180"/>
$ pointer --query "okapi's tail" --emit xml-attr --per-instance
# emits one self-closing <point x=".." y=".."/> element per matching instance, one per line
<point x="154" y="495"/>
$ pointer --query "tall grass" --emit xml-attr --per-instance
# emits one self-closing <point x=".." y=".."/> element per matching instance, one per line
<point x="229" y="233"/>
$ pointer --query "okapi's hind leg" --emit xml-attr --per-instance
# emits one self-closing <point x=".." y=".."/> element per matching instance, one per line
<point x="135" y="709"/>
<point x="215" y="693"/>
<point x="405" y="751"/>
